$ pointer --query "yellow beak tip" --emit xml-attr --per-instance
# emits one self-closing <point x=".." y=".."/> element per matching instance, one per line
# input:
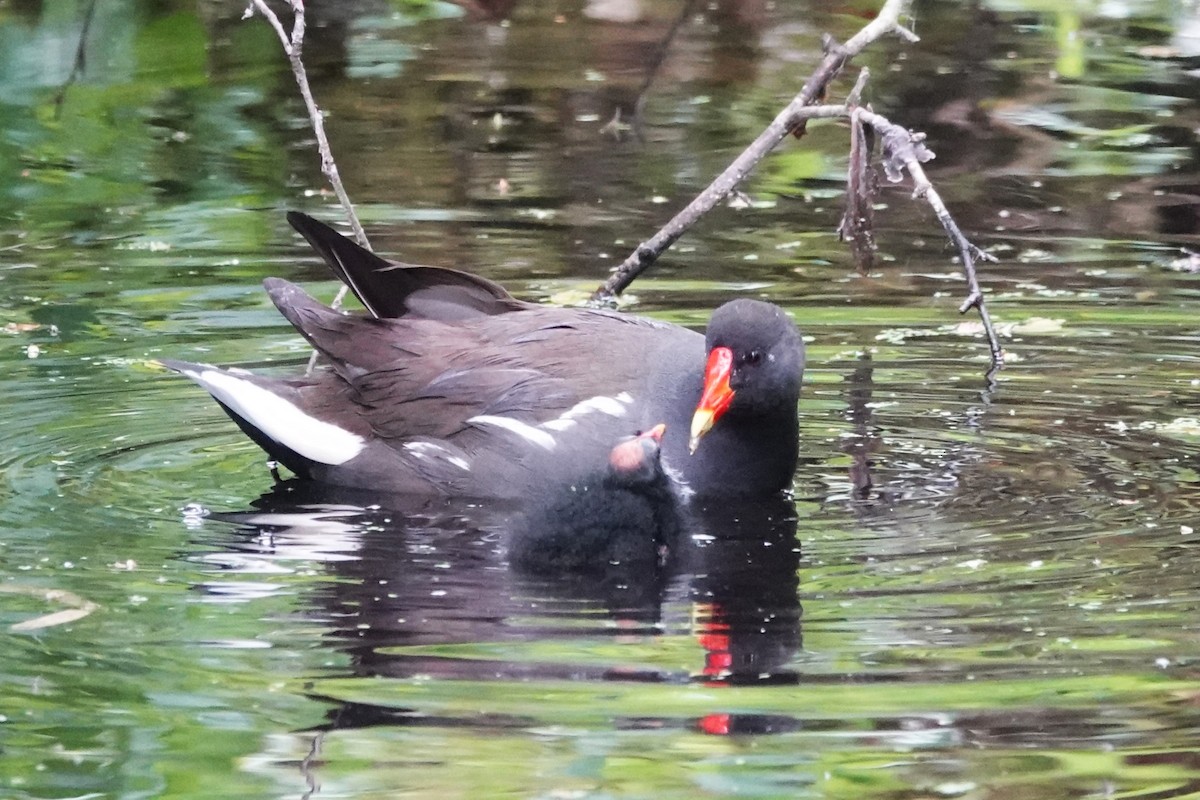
<point x="701" y="423"/>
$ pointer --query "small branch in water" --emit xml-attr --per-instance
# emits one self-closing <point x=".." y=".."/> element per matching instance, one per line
<point x="80" y="60"/>
<point x="903" y="149"/>
<point x="790" y="120"/>
<point x="79" y="607"/>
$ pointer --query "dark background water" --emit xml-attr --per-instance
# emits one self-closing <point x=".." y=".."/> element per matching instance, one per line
<point x="981" y="592"/>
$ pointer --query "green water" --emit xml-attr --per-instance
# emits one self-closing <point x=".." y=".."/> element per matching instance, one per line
<point x="978" y="591"/>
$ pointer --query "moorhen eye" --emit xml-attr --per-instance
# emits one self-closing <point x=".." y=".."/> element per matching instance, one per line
<point x="752" y="358"/>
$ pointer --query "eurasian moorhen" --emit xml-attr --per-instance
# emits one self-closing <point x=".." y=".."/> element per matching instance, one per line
<point x="453" y="386"/>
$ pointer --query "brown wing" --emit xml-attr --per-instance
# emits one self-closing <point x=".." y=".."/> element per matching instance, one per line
<point x="416" y="377"/>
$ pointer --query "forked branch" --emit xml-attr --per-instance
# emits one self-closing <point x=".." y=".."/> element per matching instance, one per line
<point x="903" y="150"/>
<point x="788" y="121"/>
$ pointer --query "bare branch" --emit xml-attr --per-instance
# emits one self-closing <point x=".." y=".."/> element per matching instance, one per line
<point x="293" y="46"/>
<point x="904" y="149"/>
<point x="789" y="121"/>
<point x="80" y="63"/>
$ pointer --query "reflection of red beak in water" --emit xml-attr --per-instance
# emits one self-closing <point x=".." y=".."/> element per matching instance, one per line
<point x="712" y="632"/>
<point x="716" y="724"/>
<point x="716" y="396"/>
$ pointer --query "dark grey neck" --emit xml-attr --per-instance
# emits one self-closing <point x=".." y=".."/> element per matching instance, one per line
<point x="743" y="456"/>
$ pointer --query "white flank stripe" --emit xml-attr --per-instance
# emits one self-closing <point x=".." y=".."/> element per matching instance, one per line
<point x="605" y="405"/>
<point x="312" y="438"/>
<point x="526" y="432"/>
<point x="613" y="406"/>
<point x="428" y="451"/>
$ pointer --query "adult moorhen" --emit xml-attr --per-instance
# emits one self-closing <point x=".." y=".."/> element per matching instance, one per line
<point x="453" y="386"/>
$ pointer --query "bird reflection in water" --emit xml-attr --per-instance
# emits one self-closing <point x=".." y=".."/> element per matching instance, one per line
<point x="414" y="572"/>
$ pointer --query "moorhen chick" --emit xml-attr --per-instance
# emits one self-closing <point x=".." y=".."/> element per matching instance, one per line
<point x="625" y="513"/>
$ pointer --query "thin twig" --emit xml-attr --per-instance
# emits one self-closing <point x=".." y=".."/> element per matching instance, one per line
<point x="788" y="121"/>
<point x="293" y="47"/>
<point x="80" y="60"/>
<point x="79" y="607"/>
<point x="902" y="147"/>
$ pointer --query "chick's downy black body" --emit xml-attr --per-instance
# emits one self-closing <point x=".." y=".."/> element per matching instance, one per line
<point x="622" y="514"/>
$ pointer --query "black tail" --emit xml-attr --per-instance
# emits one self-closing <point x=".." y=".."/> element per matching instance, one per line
<point x="355" y="266"/>
<point x="390" y="289"/>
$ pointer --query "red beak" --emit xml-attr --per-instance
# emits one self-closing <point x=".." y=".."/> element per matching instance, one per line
<point x="716" y="396"/>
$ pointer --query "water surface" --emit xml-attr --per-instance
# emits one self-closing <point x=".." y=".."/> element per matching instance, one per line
<point x="979" y="589"/>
